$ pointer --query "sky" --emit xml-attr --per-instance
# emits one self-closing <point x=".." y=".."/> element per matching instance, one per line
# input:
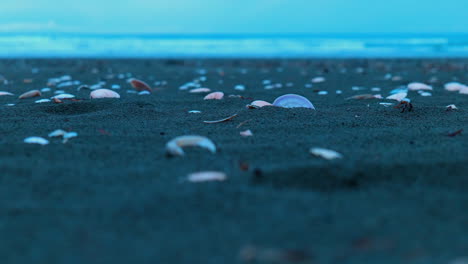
<point x="235" y="16"/>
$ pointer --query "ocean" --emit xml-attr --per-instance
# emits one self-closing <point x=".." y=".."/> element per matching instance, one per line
<point x="229" y="46"/>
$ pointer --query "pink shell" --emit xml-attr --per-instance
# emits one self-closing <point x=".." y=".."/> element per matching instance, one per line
<point x="214" y="96"/>
<point x="260" y="103"/>
<point x="5" y="93"/>
<point x="454" y="86"/>
<point x="30" y="94"/>
<point x="292" y="101"/>
<point x="103" y="93"/>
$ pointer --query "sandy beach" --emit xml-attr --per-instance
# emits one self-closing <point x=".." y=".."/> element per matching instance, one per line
<point x="113" y="195"/>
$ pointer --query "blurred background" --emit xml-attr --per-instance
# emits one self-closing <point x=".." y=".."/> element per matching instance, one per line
<point x="241" y="28"/>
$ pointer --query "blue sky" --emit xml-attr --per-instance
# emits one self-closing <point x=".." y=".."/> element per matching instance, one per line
<point x="235" y="16"/>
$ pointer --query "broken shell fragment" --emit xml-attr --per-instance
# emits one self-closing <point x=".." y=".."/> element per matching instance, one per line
<point x="176" y="145"/>
<point x="318" y="79"/>
<point x="258" y="104"/>
<point x="205" y="176"/>
<point x="220" y="120"/>
<point x="32" y="93"/>
<point x="42" y="101"/>
<point x="214" y="96"/>
<point x="464" y="90"/>
<point x="36" y="140"/>
<point x="64" y="96"/>
<point x="139" y="85"/>
<point x="200" y="90"/>
<point x="397" y="96"/>
<point x="454" y="86"/>
<point x="292" y="101"/>
<point x="246" y="133"/>
<point x="325" y="153"/>
<point x="5" y="93"/>
<point x="414" y="86"/>
<point x="194" y="112"/>
<point x="103" y="93"/>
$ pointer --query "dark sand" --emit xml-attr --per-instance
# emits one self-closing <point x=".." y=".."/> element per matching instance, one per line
<point x="111" y="195"/>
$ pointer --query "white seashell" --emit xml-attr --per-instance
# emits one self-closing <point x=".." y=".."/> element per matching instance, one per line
<point x="115" y="86"/>
<point x="325" y="153"/>
<point x="194" y="112"/>
<point x="57" y="133"/>
<point x="246" y="133"/>
<point x="174" y="147"/>
<point x="42" y="101"/>
<point x="375" y="89"/>
<point x="144" y="93"/>
<point x="426" y="94"/>
<point x="451" y="107"/>
<point x="454" y="86"/>
<point x="45" y="90"/>
<point x="10" y="104"/>
<point x="103" y="93"/>
<point x="397" y="96"/>
<point x="36" y="140"/>
<point x="200" y="90"/>
<point x="239" y="87"/>
<point x="414" y="86"/>
<point x="5" y="93"/>
<point x="387" y="104"/>
<point x="322" y="93"/>
<point x="318" y="79"/>
<point x="464" y="90"/>
<point x="63" y="96"/>
<point x="258" y="104"/>
<point x="205" y="176"/>
<point x="339" y="92"/>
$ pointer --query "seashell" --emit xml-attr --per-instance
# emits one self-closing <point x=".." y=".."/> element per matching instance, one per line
<point x="399" y="90"/>
<point x="386" y="104"/>
<point x="5" y="93"/>
<point x="32" y="93"/>
<point x="42" y="101"/>
<point x="464" y="90"/>
<point x="174" y="147"/>
<point x="45" y="90"/>
<point x="375" y="89"/>
<point x="292" y="101"/>
<point x="139" y="85"/>
<point x="339" y="92"/>
<point x="36" y="140"/>
<point x="63" y="96"/>
<point x="322" y="93"/>
<point x="220" y="120"/>
<point x="194" y="112"/>
<point x="258" y="104"/>
<point x="103" y="93"/>
<point x="425" y="94"/>
<point x="246" y="133"/>
<point x="115" y="86"/>
<point x="414" y="86"/>
<point x="451" y="107"/>
<point x="57" y="133"/>
<point x="239" y="87"/>
<point x="200" y="90"/>
<point x="397" y="96"/>
<point x="318" y="79"/>
<point x="214" y="96"/>
<point x="205" y="176"/>
<point x="325" y="153"/>
<point x="69" y="135"/>
<point x="144" y="93"/>
<point x="454" y="86"/>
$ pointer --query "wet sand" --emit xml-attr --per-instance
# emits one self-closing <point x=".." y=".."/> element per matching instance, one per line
<point x="112" y="195"/>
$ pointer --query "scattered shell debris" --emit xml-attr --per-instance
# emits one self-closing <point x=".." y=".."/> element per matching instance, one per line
<point x="327" y="154"/>
<point x="176" y="145"/>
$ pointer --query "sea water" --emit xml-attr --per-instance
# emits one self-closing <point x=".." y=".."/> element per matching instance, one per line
<point x="228" y="46"/>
